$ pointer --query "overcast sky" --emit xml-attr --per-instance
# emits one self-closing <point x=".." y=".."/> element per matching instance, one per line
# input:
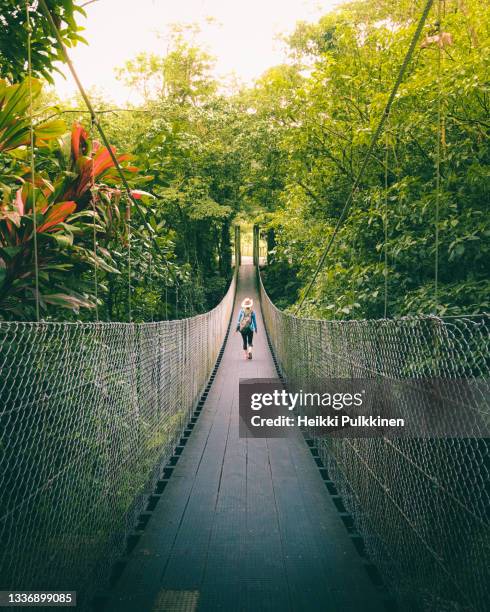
<point x="243" y="40"/>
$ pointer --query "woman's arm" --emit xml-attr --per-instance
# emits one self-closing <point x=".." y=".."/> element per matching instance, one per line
<point x="254" y="321"/>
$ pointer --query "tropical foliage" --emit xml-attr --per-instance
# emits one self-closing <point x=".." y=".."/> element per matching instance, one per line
<point x="323" y="111"/>
<point x="13" y="36"/>
<point x="283" y="153"/>
<point x="46" y="223"/>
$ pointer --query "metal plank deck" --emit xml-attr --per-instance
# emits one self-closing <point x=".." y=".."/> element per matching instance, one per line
<point x="244" y="524"/>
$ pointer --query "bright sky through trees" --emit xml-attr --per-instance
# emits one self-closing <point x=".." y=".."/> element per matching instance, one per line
<point x="242" y="35"/>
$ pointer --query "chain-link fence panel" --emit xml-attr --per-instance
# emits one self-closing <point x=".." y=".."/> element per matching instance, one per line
<point x="89" y="415"/>
<point x="421" y="505"/>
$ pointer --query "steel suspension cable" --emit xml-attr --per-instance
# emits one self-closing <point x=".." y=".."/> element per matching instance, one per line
<point x="86" y="99"/>
<point x="372" y="144"/>
<point x="385" y="229"/>
<point x="94" y="222"/>
<point x="128" y="221"/>
<point x="151" y="287"/>
<point x="438" y="156"/>
<point x="33" y="158"/>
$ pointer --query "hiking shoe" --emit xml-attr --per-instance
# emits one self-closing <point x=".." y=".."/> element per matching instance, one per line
<point x="250" y="355"/>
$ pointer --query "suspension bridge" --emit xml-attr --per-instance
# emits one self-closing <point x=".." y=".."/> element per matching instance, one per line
<point x="122" y="465"/>
<point x="244" y="523"/>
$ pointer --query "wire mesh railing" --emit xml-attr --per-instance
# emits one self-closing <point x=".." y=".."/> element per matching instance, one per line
<point x="421" y="505"/>
<point x="89" y="415"/>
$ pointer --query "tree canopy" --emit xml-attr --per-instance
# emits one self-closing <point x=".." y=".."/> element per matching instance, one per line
<point x="323" y="118"/>
<point x="283" y="153"/>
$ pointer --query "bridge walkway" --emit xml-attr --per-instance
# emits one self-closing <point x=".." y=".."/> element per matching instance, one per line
<point x="244" y="524"/>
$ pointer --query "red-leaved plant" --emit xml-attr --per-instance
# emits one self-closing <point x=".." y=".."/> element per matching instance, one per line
<point x="82" y="196"/>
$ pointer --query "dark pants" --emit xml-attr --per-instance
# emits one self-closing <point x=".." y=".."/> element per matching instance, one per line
<point x="247" y="336"/>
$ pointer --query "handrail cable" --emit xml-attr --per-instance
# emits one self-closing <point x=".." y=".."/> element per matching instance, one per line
<point x="54" y="27"/>
<point x="373" y="142"/>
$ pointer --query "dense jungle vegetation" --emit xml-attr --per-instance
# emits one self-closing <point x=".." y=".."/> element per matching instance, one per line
<point x="283" y="153"/>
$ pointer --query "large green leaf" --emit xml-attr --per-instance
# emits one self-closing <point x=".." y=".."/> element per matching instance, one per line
<point x="15" y="124"/>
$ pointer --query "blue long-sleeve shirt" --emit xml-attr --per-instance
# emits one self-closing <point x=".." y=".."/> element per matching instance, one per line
<point x="253" y="324"/>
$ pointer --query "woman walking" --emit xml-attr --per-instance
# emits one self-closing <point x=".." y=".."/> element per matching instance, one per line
<point x="247" y="325"/>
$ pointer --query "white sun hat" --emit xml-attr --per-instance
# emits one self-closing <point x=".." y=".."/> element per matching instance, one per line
<point x="247" y="303"/>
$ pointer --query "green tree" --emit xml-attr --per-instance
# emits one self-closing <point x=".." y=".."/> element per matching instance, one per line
<point x="45" y="51"/>
<point x="350" y="60"/>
